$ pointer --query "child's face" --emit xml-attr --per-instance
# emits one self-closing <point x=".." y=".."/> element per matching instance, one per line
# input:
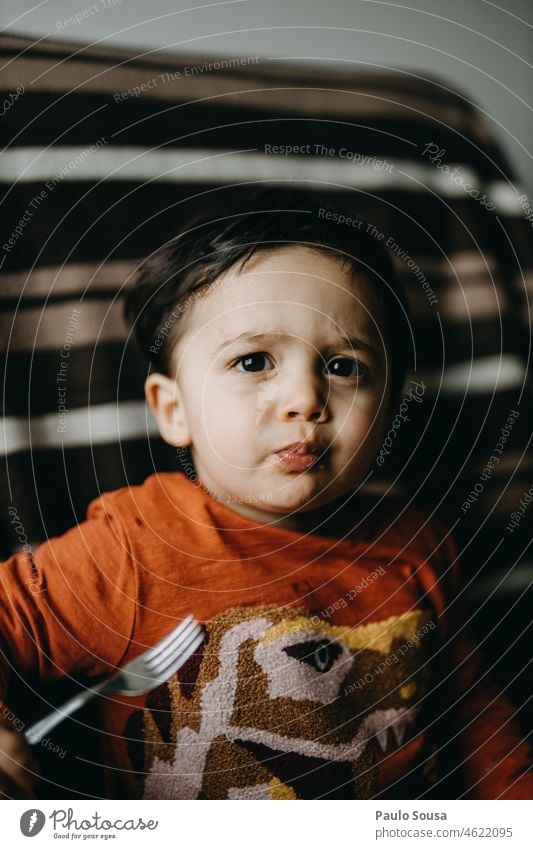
<point x="294" y="378"/>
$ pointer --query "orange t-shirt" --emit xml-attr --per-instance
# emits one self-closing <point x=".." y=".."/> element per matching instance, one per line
<point x="329" y="669"/>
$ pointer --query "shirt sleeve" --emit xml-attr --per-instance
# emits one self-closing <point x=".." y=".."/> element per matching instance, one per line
<point x="483" y="742"/>
<point x="68" y="609"/>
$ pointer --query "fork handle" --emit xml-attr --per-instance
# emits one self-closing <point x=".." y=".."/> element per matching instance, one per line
<point x="35" y="733"/>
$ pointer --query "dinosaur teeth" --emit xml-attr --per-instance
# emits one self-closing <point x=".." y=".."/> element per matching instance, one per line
<point x="382" y="737"/>
<point x="399" y="732"/>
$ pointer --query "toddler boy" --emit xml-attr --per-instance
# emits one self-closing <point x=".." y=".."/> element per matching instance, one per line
<point x="280" y="344"/>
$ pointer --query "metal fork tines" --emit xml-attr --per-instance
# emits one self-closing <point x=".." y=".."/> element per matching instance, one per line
<point x="159" y="663"/>
<point x="140" y="675"/>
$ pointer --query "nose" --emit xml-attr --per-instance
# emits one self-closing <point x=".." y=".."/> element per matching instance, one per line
<point x="302" y="397"/>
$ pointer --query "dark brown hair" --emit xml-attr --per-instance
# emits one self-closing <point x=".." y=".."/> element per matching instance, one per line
<point x="270" y="218"/>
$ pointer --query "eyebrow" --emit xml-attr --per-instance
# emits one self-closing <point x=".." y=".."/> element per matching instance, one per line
<point x="355" y="342"/>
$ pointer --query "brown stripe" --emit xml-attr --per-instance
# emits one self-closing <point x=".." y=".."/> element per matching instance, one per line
<point x="38" y="328"/>
<point x="524" y="283"/>
<point x="462" y="263"/>
<point x="508" y="502"/>
<point x="73" y="278"/>
<point x="510" y="461"/>
<point x="292" y="97"/>
<point x="474" y="301"/>
<point x="267" y="68"/>
<point x="516" y="492"/>
<point x="99" y="321"/>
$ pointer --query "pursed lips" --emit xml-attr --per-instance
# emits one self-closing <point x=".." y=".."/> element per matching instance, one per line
<point x="307" y="447"/>
<point x="299" y="456"/>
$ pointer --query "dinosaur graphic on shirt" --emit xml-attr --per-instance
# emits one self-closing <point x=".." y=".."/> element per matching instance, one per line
<point x="279" y="704"/>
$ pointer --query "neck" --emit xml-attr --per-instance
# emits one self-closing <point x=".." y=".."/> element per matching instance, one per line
<point x="335" y="519"/>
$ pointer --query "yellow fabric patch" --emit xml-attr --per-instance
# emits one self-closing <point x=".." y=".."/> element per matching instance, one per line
<point x="280" y="791"/>
<point x="378" y="636"/>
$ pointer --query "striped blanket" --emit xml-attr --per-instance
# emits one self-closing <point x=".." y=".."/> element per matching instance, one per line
<point x="106" y="153"/>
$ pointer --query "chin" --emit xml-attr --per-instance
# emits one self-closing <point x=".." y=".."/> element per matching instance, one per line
<point x="298" y="502"/>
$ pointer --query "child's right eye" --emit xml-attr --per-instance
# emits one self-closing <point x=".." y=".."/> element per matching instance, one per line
<point x="253" y="363"/>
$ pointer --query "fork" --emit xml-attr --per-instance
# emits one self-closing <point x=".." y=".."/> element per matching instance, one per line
<point x="141" y="675"/>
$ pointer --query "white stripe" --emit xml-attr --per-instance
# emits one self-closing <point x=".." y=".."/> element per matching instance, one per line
<point x="96" y="425"/>
<point x="184" y="165"/>
<point x="204" y="165"/>
<point x="483" y="375"/>
<point x="503" y="195"/>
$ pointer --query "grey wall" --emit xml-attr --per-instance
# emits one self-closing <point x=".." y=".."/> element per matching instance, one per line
<point x="477" y="45"/>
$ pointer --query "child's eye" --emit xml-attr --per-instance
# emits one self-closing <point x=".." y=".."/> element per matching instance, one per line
<point x="253" y="362"/>
<point x="346" y="367"/>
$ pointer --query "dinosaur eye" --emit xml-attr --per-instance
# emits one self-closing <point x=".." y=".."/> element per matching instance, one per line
<point x="321" y="654"/>
<point x="322" y="657"/>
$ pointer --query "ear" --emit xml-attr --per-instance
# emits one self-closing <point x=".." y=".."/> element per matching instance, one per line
<point x="165" y="400"/>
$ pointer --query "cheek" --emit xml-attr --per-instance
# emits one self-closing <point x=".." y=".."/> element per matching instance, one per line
<point x="363" y="420"/>
<point x="228" y="420"/>
<point x="241" y="400"/>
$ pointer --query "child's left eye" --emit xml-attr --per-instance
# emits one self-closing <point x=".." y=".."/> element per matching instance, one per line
<point x="346" y="367"/>
<point x="253" y="363"/>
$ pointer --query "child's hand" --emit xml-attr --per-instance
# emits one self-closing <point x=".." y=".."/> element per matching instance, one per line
<point x="17" y="764"/>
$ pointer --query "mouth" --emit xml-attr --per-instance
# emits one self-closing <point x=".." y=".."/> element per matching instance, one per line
<point x="308" y="777"/>
<point x="300" y="456"/>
